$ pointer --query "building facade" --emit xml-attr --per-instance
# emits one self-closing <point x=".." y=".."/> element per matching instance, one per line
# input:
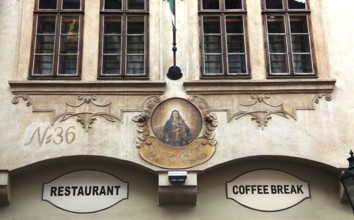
<point x="256" y="127"/>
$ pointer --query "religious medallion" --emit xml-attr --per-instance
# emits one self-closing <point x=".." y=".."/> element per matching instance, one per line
<point x="176" y="133"/>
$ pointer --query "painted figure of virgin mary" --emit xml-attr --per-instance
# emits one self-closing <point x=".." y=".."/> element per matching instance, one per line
<point x="176" y="132"/>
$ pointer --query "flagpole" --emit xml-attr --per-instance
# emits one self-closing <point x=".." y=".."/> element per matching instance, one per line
<point x="174" y="72"/>
<point x="174" y="44"/>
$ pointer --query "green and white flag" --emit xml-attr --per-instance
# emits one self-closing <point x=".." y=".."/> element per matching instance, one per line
<point x="172" y="12"/>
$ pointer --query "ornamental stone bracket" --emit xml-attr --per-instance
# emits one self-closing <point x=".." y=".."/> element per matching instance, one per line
<point x="4" y="188"/>
<point x="178" y="193"/>
<point x="260" y="100"/>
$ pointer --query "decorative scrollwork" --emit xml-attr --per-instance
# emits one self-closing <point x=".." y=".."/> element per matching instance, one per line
<point x="15" y="100"/>
<point x="260" y="110"/>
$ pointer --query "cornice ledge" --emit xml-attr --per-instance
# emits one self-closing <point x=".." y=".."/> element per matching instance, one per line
<point x="215" y="87"/>
<point x="78" y="87"/>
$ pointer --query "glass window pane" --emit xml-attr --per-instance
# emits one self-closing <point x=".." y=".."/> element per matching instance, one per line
<point x="135" y="64"/>
<point x="111" y="65"/>
<point x="47" y="4"/>
<point x="235" y="44"/>
<point x="212" y="44"/>
<point x="211" y="4"/>
<point x="69" y="44"/>
<point x="298" y="24"/>
<point x="135" y="44"/>
<point x="136" y="4"/>
<point x="71" y="4"/>
<point x="300" y="43"/>
<point x="213" y="64"/>
<point x="211" y="25"/>
<point x="233" y="4"/>
<point x="274" y="4"/>
<point x="237" y="63"/>
<point x="70" y="25"/>
<point x="279" y="64"/>
<point x="45" y="44"/>
<point x="234" y="25"/>
<point x="43" y="64"/>
<point x="302" y="63"/>
<point x="135" y="25"/>
<point x="275" y="24"/>
<point x="112" y="44"/>
<point x="68" y="64"/>
<point x="112" y="25"/>
<point x="277" y="44"/>
<point x="297" y="4"/>
<point x="113" y="4"/>
<point x="46" y="25"/>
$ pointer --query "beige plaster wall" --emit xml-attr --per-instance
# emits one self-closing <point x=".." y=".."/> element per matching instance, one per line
<point x="322" y="134"/>
<point x="143" y="198"/>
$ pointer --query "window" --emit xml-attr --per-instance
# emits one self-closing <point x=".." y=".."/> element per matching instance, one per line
<point x="224" y="50"/>
<point x="123" y="39"/>
<point x="57" y="39"/>
<point x="288" y="38"/>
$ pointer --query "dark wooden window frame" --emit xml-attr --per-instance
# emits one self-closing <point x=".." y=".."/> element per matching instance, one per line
<point x="124" y="13"/>
<point x="58" y="13"/>
<point x="286" y="12"/>
<point x="223" y="13"/>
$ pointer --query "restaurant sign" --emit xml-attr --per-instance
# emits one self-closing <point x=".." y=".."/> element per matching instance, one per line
<point x="85" y="191"/>
<point x="267" y="190"/>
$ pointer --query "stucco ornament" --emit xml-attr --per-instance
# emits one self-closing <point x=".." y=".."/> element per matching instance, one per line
<point x="176" y="133"/>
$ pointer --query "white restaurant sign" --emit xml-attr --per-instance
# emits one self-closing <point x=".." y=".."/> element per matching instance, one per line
<point x="267" y="190"/>
<point x="85" y="191"/>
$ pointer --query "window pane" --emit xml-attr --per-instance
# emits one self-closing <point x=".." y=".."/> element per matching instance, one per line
<point x="233" y="4"/>
<point x="111" y="65"/>
<point x="43" y="64"/>
<point x="277" y="43"/>
<point x="135" y="25"/>
<point x="211" y="25"/>
<point x="135" y="64"/>
<point x="112" y="25"/>
<point x="300" y="43"/>
<point x="235" y="44"/>
<point x="275" y="24"/>
<point x="211" y="4"/>
<point x="69" y="44"/>
<point x="302" y="63"/>
<point x="212" y="44"/>
<point x="136" y="4"/>
<point x="297" y="4"/>
<point x="70" y="25"/>
<point x="71" y="4"/>
<point x="46" y="25"/>
<point x="274" y="4"/>
<point x="278" y="64"/>
<point x="68" y="64"/>
<point x="213" y="64"/>
<point x="47" y="4"/>
<point x="113" y="4"/>
<point x="298" y="24"/>
<point x="234" y="24"/>
<point x="112" y="44"/>
<point x="237" y="64"/>
<point x="135" y="44"/>
<point x="45" y="44"/>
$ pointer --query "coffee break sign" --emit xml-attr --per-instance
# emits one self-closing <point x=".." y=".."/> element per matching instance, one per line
<point x="267" y="190"/>
<point x="85" y="191"/>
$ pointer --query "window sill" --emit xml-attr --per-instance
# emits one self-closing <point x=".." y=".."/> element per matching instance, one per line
<point x="213" y="87"/>
<point x="98" y="88"/>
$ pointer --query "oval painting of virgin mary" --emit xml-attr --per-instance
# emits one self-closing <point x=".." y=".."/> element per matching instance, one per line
<point x="176" y="122"/>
